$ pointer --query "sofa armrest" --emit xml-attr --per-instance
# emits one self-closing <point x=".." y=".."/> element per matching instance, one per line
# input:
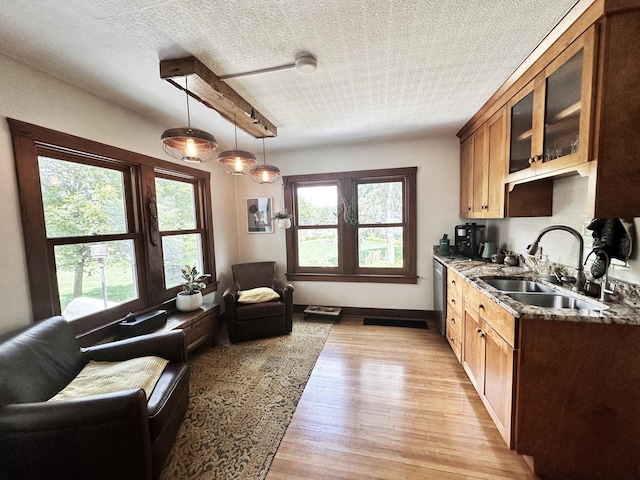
<point x="232" y="290"/>
<point x="170" y="345"/>
<point x="285" y="290"/>
<point x="103" y="436"/>
<point x="230" y="296"/>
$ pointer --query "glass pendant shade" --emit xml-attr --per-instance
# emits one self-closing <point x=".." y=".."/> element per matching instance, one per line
<point x="265" y="174"/>
<point x="189" y="144"/>
<point x="236" y="162"/>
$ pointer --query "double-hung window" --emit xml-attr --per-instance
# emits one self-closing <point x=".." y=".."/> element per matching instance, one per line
<point x="106" y="231"/>
<point x="353" y="226"/>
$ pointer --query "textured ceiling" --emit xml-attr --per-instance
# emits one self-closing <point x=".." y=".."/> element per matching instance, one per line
<point x="385" y="67"/>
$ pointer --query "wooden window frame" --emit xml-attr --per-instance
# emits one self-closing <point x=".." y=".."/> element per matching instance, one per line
<point x="348" y="270"/>
<point x="140" y="171"/>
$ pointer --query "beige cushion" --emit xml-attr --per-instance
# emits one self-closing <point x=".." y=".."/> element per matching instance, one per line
<point x="257" y="295"/>
<point x="98" y="378"/>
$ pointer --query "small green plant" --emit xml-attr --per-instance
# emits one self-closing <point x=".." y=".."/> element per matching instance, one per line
<point x="282" y="214"/>
<point x="193" y="280"/>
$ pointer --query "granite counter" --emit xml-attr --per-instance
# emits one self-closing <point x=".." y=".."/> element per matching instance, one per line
<point x="621" y="309"/>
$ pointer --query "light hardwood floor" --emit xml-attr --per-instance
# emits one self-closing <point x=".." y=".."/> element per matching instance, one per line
<point x="391" y="403"/>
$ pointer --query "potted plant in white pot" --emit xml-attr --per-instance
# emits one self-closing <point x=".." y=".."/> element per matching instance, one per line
<point x="282" y="218"/>
<point x="190" y="298"/>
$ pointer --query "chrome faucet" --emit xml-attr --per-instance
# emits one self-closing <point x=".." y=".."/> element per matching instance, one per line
<point x="581" y="278"/>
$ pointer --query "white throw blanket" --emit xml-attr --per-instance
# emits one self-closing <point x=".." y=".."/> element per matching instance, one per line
<point x="97" y="378"/>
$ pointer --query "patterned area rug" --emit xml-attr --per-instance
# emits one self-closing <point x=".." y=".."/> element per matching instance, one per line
<point x="242" y="399"/>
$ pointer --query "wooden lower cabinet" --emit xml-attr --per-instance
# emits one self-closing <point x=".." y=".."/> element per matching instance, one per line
<point x="564" y="393"/>
<point x="499" y="381"/>
<point x="473" y="355"/>
<point x="199" y="326"/>
<point x="489" y="361"/>
<point x="578" y="399"/>
<point x="482" y="335"/>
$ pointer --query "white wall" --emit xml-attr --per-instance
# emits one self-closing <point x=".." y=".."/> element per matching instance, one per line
<point x="437" y="211"/>
<point x="570" y="209"/>
<point x="31" y="96"/>
<point x="34" y="97"/>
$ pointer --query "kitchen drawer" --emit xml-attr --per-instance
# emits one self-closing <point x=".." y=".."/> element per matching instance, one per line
<point x="454" y="322"/>
<point x="454" y="339"/>
<point x="199" y="326"/>
<point x="200" y="330"/>
<point x="500" y="320"/>
<point x="454" y="292"/>
<point x="454" y="281"/>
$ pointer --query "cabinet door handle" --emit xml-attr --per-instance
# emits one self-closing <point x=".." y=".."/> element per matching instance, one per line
<point x="453" y="300"/>
<point x="481" y="307"/>
<point x="453" y="320"/>
<point x="478" y="330"/>
<point x="537" y="158"/>
<point x="453" y="282"/>
<point x="452" y="340"/>
<point x="531" y="160"/>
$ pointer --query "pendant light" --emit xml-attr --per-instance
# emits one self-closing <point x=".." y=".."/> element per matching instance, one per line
<point x="265" y="173"/>
<point x="236" y="162"/>
<point x="189" y="144"/>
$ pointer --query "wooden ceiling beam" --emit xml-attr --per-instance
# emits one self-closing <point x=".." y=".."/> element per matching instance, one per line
<point x="206" y="87"/>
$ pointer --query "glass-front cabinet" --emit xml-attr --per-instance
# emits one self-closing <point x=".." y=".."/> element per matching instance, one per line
<point x="520" y="146"/>
<point x="549" y="119"/>
<point x="563" y="109"/>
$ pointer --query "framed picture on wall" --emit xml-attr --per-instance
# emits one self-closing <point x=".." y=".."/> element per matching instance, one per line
<point x="259" y="215"/>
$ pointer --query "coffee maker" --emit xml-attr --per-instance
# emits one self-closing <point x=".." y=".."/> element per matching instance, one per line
<point x="468" y="239"/>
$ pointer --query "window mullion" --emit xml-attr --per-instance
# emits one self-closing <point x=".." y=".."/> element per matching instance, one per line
<point x="348" y="234"/>
<point x="153" y="268"/>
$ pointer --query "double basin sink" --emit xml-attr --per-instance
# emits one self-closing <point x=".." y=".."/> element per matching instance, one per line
<point x="535" y="293"/>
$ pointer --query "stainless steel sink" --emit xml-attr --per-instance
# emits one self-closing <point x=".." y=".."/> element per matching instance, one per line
<point x="535" y="293"/>
<point x="555" y="300"/>
<point x="518" y="285"/>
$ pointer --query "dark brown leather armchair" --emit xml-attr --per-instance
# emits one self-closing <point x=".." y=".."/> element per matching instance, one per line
<point x="258" y="320"/>
<point x="115" y="436"/>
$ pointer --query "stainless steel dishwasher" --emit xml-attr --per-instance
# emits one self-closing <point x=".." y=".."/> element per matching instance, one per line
<point x="439" y="294"/>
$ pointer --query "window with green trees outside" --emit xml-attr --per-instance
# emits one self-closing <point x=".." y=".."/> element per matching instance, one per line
<point x="352" y="226"/>
<point x="106" y="230"/>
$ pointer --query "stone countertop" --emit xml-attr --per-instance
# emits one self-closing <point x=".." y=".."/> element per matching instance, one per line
<point x="474" y="271"/>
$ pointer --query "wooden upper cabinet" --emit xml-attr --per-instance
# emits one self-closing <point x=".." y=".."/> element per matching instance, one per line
<point x="466" y="178"/>
<point x="478" y="174"/>
<point x="482" y="167"/>
<point x="615" y="151"/>
<point x="495" y="165"/>
<point x="573" y="111"/>
<point x="549" y="119"/>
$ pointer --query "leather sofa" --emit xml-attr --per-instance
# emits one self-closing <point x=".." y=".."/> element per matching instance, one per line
<point x="257" y="320"/>
<point x="121" y="435"/>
